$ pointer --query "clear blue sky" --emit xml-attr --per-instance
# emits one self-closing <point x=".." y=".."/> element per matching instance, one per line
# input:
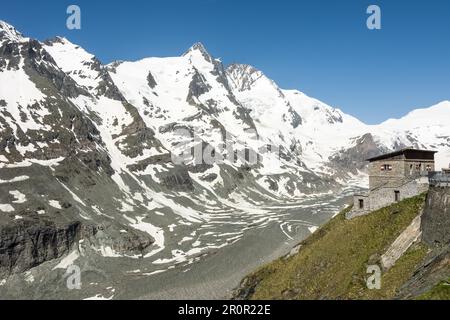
<point x="321" y="47"/>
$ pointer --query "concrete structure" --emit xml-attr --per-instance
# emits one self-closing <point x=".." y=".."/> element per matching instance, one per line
<point x="398" y="248"/>
<point x="393" y="177"/>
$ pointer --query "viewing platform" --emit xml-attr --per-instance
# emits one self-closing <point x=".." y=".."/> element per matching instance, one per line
<point x="440" y="179"/>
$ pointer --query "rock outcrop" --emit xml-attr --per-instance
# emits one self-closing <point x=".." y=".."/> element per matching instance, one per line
<point x="27" y="244"/>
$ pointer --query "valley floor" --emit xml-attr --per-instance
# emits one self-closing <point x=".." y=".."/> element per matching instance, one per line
<point x="211" y="275"/>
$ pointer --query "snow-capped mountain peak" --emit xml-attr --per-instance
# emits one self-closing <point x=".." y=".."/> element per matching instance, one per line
<point x="198" y="49"/>
<point x="73" y="59"/>
<point x="8" y="32"/>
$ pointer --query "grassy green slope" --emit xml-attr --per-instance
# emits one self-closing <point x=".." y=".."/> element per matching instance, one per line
<point x="332" y="263"/>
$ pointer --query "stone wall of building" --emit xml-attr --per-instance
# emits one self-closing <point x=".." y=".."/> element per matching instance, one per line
<point x="418" y="168"/>
<point x="385" y="196"/>
<point x="379" y="177"/>
<point x="401" y="171"/>
<point x="357" y="209"/>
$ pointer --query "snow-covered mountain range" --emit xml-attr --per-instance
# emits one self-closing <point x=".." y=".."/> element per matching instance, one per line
<point x="87" y="150"/>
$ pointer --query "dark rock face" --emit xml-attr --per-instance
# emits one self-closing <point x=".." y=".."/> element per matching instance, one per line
<point x="197" y="87"/>
<point x="243" y="114"/>
<point x="296" y="120"/>
<point x="221" y="74"/>
<point x="435" y="219"/>
<point x="74" y="168"/>
<point x="39" y="64"/>
<point x="133" y="242"/>
<point x="209" y="177"/>
<point x="137" y="137"/>
<point x="178" y="179"/>
<point x="355" y="157"/>
<point x="107" y="87"/>
<point x="27" y="244"/>
<point x="158" y="159"/>
<point x="9" y="56"/>
<point x="151" y="80"/>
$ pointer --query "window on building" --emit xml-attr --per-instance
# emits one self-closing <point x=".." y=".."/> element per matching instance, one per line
<point x="386" y="167"/>
<point x="361" y="203"/>
<point x="419" y="167"/>
<point x="429" y="168"/>
<point x="397" y="196"/>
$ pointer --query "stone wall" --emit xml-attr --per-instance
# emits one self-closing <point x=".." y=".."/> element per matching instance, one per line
<point x="385" y="196"/>
<point x="357" y="210"/>
<point x="379" y="177"/>
<point x="436" y="217"/>
<point x="418" y="168"/>
<point x="401" y="171"/>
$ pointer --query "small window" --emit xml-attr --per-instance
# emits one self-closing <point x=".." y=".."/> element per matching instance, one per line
<point x="429" y="168"/>
<point x="397" y="196"/>
<point x="411" y="167"/>
<point x="386" y="167"/>
<point x="361" y="203"/>
<point x="419" y="167"/>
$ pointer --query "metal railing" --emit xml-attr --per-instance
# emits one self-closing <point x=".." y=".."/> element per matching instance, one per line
<point x="439" y="179"/>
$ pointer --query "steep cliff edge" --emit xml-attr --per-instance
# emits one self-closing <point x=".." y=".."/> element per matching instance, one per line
<point x="29" y="242"/>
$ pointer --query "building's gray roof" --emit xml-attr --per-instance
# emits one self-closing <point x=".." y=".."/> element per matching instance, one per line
<point x="398" y="153"/>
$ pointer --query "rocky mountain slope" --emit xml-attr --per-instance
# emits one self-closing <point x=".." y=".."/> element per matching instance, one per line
<point x="156" y="158"/>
